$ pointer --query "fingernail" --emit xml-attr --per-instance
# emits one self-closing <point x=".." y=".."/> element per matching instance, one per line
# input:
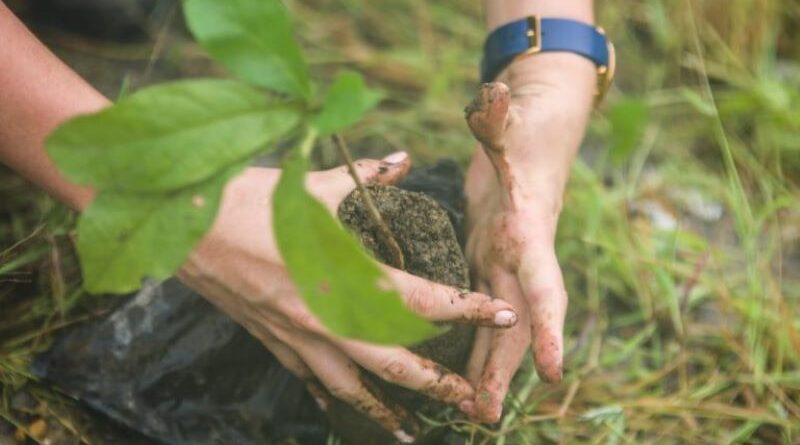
<point x="467" y="407"/>
<point x="497" y="415"/>
<point x="396" y="157"/>
<point x="404" y="437"/>
<point x="505" y="318"/>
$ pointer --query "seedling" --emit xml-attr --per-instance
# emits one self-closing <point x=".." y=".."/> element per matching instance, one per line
<point x="159" y="160"/>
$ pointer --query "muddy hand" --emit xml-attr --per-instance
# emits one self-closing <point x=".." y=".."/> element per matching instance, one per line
<point x="238" y="268"/>
<point x="514" y="201"/>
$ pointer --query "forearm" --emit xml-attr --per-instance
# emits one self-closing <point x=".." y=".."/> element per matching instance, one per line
<point x="37" y="93"/>
<point x="499" y="12"/>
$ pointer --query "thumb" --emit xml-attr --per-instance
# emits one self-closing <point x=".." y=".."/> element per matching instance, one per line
<point x="488" y="115"/>
<point x="390" y="170"/>
<point x="332" y="186"/>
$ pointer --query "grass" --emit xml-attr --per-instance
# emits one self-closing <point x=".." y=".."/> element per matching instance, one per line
<point x="680" y="238"/>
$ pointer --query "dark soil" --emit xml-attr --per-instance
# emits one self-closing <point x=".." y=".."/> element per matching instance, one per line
<point x="431" y="250"/>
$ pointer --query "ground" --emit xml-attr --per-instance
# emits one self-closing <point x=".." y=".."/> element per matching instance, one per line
<point x="680" y="237"/>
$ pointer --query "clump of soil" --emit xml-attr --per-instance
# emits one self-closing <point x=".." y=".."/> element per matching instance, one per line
<point x="419" y="225"/>
<point x="431" y="250"/>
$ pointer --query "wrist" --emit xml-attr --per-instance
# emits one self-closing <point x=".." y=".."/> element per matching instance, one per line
<point x="570" y="76"/>
<point x="550" y="43"/>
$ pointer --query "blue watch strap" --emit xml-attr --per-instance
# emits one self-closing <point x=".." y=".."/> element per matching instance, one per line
<point x="553" y="34"/>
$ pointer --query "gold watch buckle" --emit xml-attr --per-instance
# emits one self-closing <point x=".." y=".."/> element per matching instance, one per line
<point x="605" y="73"/>
<point x="534" y="34"/>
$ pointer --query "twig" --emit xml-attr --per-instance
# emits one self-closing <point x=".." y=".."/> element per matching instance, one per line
<point x="571" y="391"/>
<point x="372" y="210"/>
<point x="160" y="41"/>
<point x="35" y="232"/>
<point x="67" y="424"/>
<point x="56" y="276"/>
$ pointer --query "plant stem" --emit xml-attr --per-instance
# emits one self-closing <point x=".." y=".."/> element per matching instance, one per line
<point x="307" y="144"/>
<point x="372" y="210"/>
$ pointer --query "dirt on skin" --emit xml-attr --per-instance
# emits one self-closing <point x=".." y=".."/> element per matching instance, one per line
<point x="431" y="250"/>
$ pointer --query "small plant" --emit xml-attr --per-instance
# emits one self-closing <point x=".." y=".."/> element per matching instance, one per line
<point x="159" y="160"/>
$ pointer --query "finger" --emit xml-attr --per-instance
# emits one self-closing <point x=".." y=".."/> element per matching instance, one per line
<point x="321" y="395"/>
<point x="388" y="170"/>
<point x="341" y="377"/>
<point x="477" y="358"/>
<point x="393" y="364"/>
<point x="487" y="115"/>
<point x="391" y="169"/>
<point x="506" y="353"/>
<point x="543" y="286"/>
<point x="402" y="367"/>
<point x="295" y="315"/>
<point x="291" y="361"/>
<point x="285" y="355"/>
<point x="332" y="186"/>
<point x="438" y="302"/>
<point x="480" y="349"/>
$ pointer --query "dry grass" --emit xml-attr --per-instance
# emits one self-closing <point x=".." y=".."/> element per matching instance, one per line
<point x="682" y="254"/>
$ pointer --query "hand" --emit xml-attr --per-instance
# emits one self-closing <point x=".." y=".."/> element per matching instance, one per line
<point x="514" y="189"/>
<point x="238" y="268"/>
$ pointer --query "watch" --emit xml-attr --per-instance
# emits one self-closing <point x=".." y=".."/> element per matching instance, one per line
<point x="535" y="34"/>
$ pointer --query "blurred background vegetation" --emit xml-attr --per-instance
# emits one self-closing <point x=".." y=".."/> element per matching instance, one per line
<point x="680" y="237"/>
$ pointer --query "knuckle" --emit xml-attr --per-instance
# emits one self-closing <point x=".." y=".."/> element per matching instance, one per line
<point x="367" y="168"/>
<point x="494" y="383"/>
<point x="282" y="284"/>
<point x="282" y="335"/>
<point x="293" y="363"/>
<point x="303" y="320"/>
<point x="538" y="295"/>
<point x="419" y="302"/>
<point x="339" y="170"/>
<point x="343" y="392"/>
<point x="394" y="370"/>
<point x="480" y="308"/>
<point x="480" y="303"/>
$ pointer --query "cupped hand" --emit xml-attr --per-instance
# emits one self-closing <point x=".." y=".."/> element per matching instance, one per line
<point x="238" y="268"/>
<point x="529" y="136"/>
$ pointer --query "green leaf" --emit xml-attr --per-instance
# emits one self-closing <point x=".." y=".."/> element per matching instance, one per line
<point x="628" y="118"/>
<point x="254" y="39"/>
<point x="169" y="136"/>
<point x="339" y="282"/>
<point x="348" y="99"/>
<point x="125" y="237"/>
